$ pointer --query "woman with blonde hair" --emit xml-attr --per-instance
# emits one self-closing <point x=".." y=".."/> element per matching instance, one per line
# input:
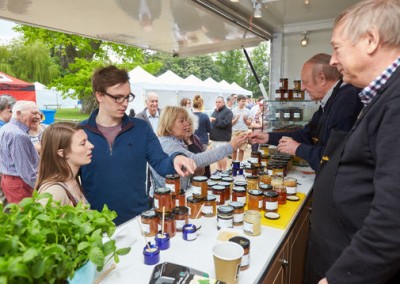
<point x="173" y="129"/>
<point x="64" y="149"/>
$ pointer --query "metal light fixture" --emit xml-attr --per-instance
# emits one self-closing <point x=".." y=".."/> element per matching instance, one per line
<point x="257" y="10"/>
<point x="304" y="40"/>
<point x="234" y="0"/>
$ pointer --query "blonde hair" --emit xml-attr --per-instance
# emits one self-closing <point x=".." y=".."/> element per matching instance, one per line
<point x="198" y="102"/>
<point x="384" y="15"/>
<point x="168" y="117"/>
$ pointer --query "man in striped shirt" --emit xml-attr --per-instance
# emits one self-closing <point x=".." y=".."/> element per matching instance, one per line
<point x="18" y="157"/>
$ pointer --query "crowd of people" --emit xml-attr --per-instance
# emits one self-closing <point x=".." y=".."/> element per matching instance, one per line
<point x="351" y="143"/>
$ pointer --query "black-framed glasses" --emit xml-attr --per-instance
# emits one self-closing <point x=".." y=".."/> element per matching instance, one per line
<point x="121" y="99"/>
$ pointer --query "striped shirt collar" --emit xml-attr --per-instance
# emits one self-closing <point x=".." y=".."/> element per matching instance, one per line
<point x="370" y="91"/>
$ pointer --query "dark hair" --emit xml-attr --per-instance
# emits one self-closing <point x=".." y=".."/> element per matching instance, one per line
<point x="184" y="101"/>
<point x="240" y="97"/>
<point x="108" y="76"/>
<point x="198" y="101"/>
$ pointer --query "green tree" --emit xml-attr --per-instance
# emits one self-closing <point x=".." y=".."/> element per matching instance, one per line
<point x="261" y="61"/>
<point x="232" y="66"/>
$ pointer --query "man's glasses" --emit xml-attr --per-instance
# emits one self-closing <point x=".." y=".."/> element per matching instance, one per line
<point x="121" y="99"/>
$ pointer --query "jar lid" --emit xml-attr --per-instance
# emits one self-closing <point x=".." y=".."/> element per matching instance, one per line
<point x="225" y="209"/>
<point x="236" y="204"/>
<point x="252" y="177"/>
<point x="149" y="214"/>
<point x="180" y="210"/>
<point x="255" y="192"/>
<point x="224" y="183"/>
<point x="265" y="156"/>
<point x="215" y="177"/>
<point x="240" y="183"/>
<point x="167" y="216"/>
<point x="262" y="173"/>
<point x="264" y="186"/>
<point x="255" y="152"/>
<point x="192" y="199"/>
<point x="218" y="187"/>
<point x="238" y="189"/>
<point x="270" y="193"/>
<point x="175" y="176"/>
<point x="224" y="175"/>
<point x="244" y="242"/>
<point x="211" y="183"/>
<point x="227" y="179"/>
<point x="162" y="190"/>
<point x="199" y="178"/>
<point x="210" y="197"/>
<point x="264" y="145"/>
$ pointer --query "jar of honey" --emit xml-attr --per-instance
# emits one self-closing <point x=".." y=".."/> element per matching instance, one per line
<point x="225" y="217"/>
<point x="252" y="182"/>
<point x="240" y="183"/>
<point x="210" y="184"/>
<point x="238" y="212"/>
<point x="227" y="192"/>
<point x="199" y="186"/>
<point x="265" y="187"/>
<point x="219" y="193"/>
<point x="291" y="185"/>
<point x="255" y="200"/>
<point x="181" y="215"/>
<point x="163" y="199"/>
<point x="283" y="83"/>
<point x="210" y="206"/>
<point x="270" y="201"/>
<point x="255" y="158"/>
<point x="173" y="182"/>
<point x="239" y="194"/>
<point x="180" y="198"/>
<point x="281" y="190"/>
<point x="276" y="180"/>
<point x="194" y="204"/>
<point x="252" y="223"/>
<point x="264" y="178"/>
<point x="264" y="148"/>
<point x="169" y="223"/>
<point x="149" y="220"/>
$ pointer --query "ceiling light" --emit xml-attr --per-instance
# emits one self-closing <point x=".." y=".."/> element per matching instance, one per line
<point x="234" y="0"/>
<point x="306" y="2"/>
<point x="257" y="10"/>
<point x="304" y="40"/>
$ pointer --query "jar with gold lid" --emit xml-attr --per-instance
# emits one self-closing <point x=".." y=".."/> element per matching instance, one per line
<point x="255" y="199"/>
<point x="173" y="182"/>
<point x="199" y="186"/>
<point x="163" y="199"/>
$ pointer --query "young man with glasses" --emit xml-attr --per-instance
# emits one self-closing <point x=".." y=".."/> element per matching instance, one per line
<point x="122" y="147"/>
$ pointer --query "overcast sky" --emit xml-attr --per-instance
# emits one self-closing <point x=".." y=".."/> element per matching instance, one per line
<point x="6" y="32"/>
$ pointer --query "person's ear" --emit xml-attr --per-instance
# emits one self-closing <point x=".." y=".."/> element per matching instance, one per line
<point x="60" y="152"/>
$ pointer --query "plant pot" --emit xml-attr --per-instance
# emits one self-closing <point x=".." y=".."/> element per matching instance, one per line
<point x="85" y="274"/>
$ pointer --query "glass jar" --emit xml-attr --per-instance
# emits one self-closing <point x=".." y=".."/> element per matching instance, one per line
<point x="291" y="185"/>
<point x="270" y="167"/>
<point x="264" y="160"/>
<point x="173" y="182"/>
<point x="239" y="194"/>
<point x="210" y="184"/>
<point x="230" y="181"/>
<point x="151" y="254"/>
<point x="297" y="85"/>
<point x="276" y="180"/>
<point x="255" y="200"/>
<point x="264" y="178"/>
<point x="278" y="95"/>
<point x="252" y="182"/>
<point x="149" y="220"/>
<point x="219" y="193"/>
<point x="169" y="224"/>
<point x="194" y="205"/>
<point x="210" y="206"/>
<point x="216" y="178"/>
<point x="240" y="183"/>
<point x="266" y="187"/>
<point x="181" y="215"/>
<point x="252" y="223"/>
<point x="245" y="243"/>
<point x="255" y="158"/>
<point x="281" y="190"/>
<point x="180" y="199"/>
<point x="264" y="148"/>
<point x="247" y="170"/>
<point x="238" y="212"/>
<point x="283" y="83"/>
<point x="199" y="186"/>
<point x="163" y="199"/>
<point x="270" y="201"/>
<point x="227" y="192"/>
<point x="278" y="169"/>
<point x="225" y="217"/>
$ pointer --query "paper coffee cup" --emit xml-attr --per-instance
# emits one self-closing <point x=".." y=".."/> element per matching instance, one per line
<point x="227" y="258"/>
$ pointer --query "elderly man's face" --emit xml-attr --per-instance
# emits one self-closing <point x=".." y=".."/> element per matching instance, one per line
<point x="152" y="104"/>
<point x="30" y="116"/>
<point x="219" y="103"/>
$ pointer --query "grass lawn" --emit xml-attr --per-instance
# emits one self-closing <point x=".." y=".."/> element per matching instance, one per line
<point x="70" y="114"/>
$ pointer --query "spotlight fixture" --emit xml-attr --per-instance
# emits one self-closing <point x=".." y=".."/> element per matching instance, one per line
<point x="306" y="2"/>
<point x="304" y="40"/>
<point x="257" y="10"/>
<point x="234" y="0"/>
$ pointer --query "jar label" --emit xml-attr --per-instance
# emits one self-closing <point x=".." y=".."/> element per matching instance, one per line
<point x="248" y="228"/>
<point x="269" y="172"/>
<point x="197" y="190"/>
<point x="260" y="203"/>
<point x="218" y="198"/>
<point x="146" y="228"/>
<point x="291" y="189"/>
<point x="225" y="223"/>
<point x="208" y="210"/>
<point x="286" y="115"/>
<point x="191" y="236"/>
<point x="264" y="164"/>
<point x="179" y="224"/>
<point x="277" y="115"/>
<point x="238" y="218"/>
<point x="296" y="115"/>
<point x="271" y="205"/>
<point x="177" y="202"/>
<point x="241" y="199"/>
<point x="171" y="187"/>
<point x="156" y="204"/>
<point x="253" y="160"/>
<point x="245" y="260"/>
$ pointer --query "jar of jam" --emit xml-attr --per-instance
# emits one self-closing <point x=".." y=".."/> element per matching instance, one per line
<point x="264" y="160"/>
<point x="210" y="184"/>
<point x="270" y="167"/>
<point x="228" y="179"/>
<point x="256" y="158"/>
<point x="297" y="85"/>
<point x="194" y="205"/>
<point x="216" y="178"/>
<point x="225" y="217"/>
<point x="239" y="194"/>
<point x="181" y="215"/>
<point x="283" y="83"/>
<point x="252" y="182"/>
<point x="264" y="178"/>
<point x="238" y="212"/>
<point x="276" y="180"/>
<point x="278" y="95"/>
<point x="219" y="193"/>
<point x="227" y="192"/>
<point x="281" y="190"/>
<point x="180" y="198"/>
<point x="265" y="187"/>
<point x="255" y="200"/>
<point x="270" y="201"/>
<point x="199" y="186"/>
<point x="278" y="169"/>
<point x="210" y="206"/>
<point x="163" y="199"/>
<point x="254" y="169"/>
<point x="245" y="243"/>
<point x="169" y="223"/>
<point x="149" y="220"/>
<point x="247" y="170"/>
<point x="173" y="182"/>
<point x="291" y="185"/>
<point x="252" y="223"/>
<point x="240" y="183"/>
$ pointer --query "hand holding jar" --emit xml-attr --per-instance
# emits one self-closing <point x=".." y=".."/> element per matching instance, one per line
<point x="288" y="145"/>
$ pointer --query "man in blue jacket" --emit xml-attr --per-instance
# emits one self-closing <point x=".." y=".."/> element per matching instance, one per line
<point x="339" y="108"/>
<point x="123" y="145"/>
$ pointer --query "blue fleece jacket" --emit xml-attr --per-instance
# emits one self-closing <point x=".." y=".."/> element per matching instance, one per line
<point x="117" y="174"/>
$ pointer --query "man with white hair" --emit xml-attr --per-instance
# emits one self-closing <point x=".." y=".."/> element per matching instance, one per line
<point x="18" y="157"/>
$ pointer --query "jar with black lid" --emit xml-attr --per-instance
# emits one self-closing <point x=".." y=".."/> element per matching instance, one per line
<point x="219" y="193"/>
<point x="270" y="203"/>
<point x="225" y="217"/>
<point x="149" y="220"/>
<point x="199" y="186"/>
<point x="245" y="243"/>
<point x="163" y="199"/>
<point x="169" y="223"/>
<point x="238" y="212"/>
<point x="194" y="205"/>
<point x="240" y="183"/>
<point x="181" y="215"/>
<point x="255" y="200"/>
<point x="227" y="193"/>
<point x="264" y="178"/>
<point x="210" y="206"/>
<point x="265" y="187"/>
<point x="264" y="148"/>
<point x="216" y="178"/>
<point x="173" y="182"/>
<point x="239" y="194"/>
<point x="210" y="184"/>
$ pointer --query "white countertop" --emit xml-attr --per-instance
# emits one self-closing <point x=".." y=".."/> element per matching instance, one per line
<point x="197" y="254"/>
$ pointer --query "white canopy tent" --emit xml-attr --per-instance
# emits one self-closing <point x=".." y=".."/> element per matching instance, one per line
<point x="52" y="99"/>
